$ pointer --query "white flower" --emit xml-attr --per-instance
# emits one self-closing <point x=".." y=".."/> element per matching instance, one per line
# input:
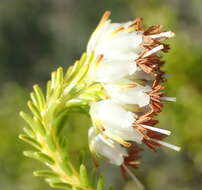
<point x="119" y="47"/>
<point x="111" y="114"/>
<point x="115" y="38"/>
<point x="116" y="121"/>
<point x="127" y="66"/>
<point x="127" y="92"/>
<point x="106" y="148"/>
<point x="113" y="70"/>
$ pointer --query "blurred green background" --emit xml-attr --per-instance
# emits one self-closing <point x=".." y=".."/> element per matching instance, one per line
<point x="37" y="36"/>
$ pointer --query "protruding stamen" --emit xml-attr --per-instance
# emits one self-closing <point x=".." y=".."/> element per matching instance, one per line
<point x="134" y="178"/>
<point x="119" y="140"/>
<point x="105" y="16"/>
<point x="117" y="30"/>
<point x="154" y="50"/>
<point x="171" y="146"/>
<point x="163" y="131"/>
<point x="171" y="99"/>
<point x="168" y="34"/>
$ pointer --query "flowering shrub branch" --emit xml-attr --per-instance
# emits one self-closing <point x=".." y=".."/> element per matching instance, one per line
<point x="45" y="124"/>
<point x="118" y="81"/>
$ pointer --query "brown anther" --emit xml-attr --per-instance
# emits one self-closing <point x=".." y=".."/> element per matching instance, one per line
<point x="117" y="30"/>
<point x="137" y="24"/>
<point x="153" y="30"/>
<point x="133" y="156"/>
<point x="105" y="16"/>
<point x="99" y="59"/>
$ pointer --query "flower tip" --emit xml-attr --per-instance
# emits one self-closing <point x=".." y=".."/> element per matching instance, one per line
<point x="107" y="13"/>
<point x="105" y="16"/>
<point x="171" y="34"/>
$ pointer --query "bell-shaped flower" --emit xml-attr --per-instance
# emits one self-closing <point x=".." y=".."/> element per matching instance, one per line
<point x="115" y="122"/>
<point x="110" y="39"/>
<point x="128" y="92"/>
<point x="106" y="148"/>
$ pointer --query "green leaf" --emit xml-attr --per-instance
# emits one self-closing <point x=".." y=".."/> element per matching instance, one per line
<point x="94" y="177"/>
<point x="39" y="95"/>
<point x="59" y="76"/>
<point x="44" y="158"/>
<point x="45" y="173"/>
<point x="33" y="109"/>
<point x="59" y="121"/>
<point x="60" y="185"/>
<point x="65" y="167"/>
<point x="29" y="154"/>
<point x="68" y="73"/>
<point x="63" y="142"/>
<point x="48" y="90"/>
<point x="39" y="126"/>
<point x="84" y="175"/>
<point x="57" y="91"/>
<point x="82" y="156"/>
<point x="34" y="123"/>
<point x="34" y="99"/>
<point x="111" y="187"/>
<point x="51" y="143"/>
<point x="53" y="80"/>
<point x="76" y="188"/>
<point x="100" y="184"/>
<point x="29" y="131"/>
<point x="28" y="119"/>
<point x="30" y="140"/>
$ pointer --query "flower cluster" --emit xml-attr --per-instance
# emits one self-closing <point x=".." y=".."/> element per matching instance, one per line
<point x="128" y="68"/>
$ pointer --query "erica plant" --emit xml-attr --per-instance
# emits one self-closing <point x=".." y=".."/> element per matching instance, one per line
<point x="119" y="82"/>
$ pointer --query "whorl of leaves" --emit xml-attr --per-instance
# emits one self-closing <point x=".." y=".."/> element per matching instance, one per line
<point x="63" y="93"/>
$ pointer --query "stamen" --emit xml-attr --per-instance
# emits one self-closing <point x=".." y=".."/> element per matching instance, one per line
<point x="154" y="50"/>
<point x="171" y="99"/>
<point x="119" y="29"/>
<point x="105" y="16"/>
<point x="171" y="146"/>
<point x="168" y="34"/>
<point x="99" y="59"/>
<point x="163" y="131"/>
<point x="134" y="178"/>
<point x="166" y="75"/>
<point x="132" y="85"/>
<point x="118" y="139"/>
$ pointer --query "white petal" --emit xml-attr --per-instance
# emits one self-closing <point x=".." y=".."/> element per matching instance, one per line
<point x="129" y="95"/>
<point x="115" y="154"/>
<point x="123" y="42"/>
<point x="104" y="42"/>
<point x="141" y="75"/>
<point x="111" y="114"/>
<point x="127" y="134"/>
<point x="99" y="34"/>
<point x="109" y="71"/>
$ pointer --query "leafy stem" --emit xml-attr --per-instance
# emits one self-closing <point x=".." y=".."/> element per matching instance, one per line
<point x="45" y="123"/>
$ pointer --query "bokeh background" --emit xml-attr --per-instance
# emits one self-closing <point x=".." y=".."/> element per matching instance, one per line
<point x="37" y="36"/>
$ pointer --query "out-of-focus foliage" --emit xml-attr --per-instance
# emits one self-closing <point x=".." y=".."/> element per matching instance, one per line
<point x="37" y="36"/>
